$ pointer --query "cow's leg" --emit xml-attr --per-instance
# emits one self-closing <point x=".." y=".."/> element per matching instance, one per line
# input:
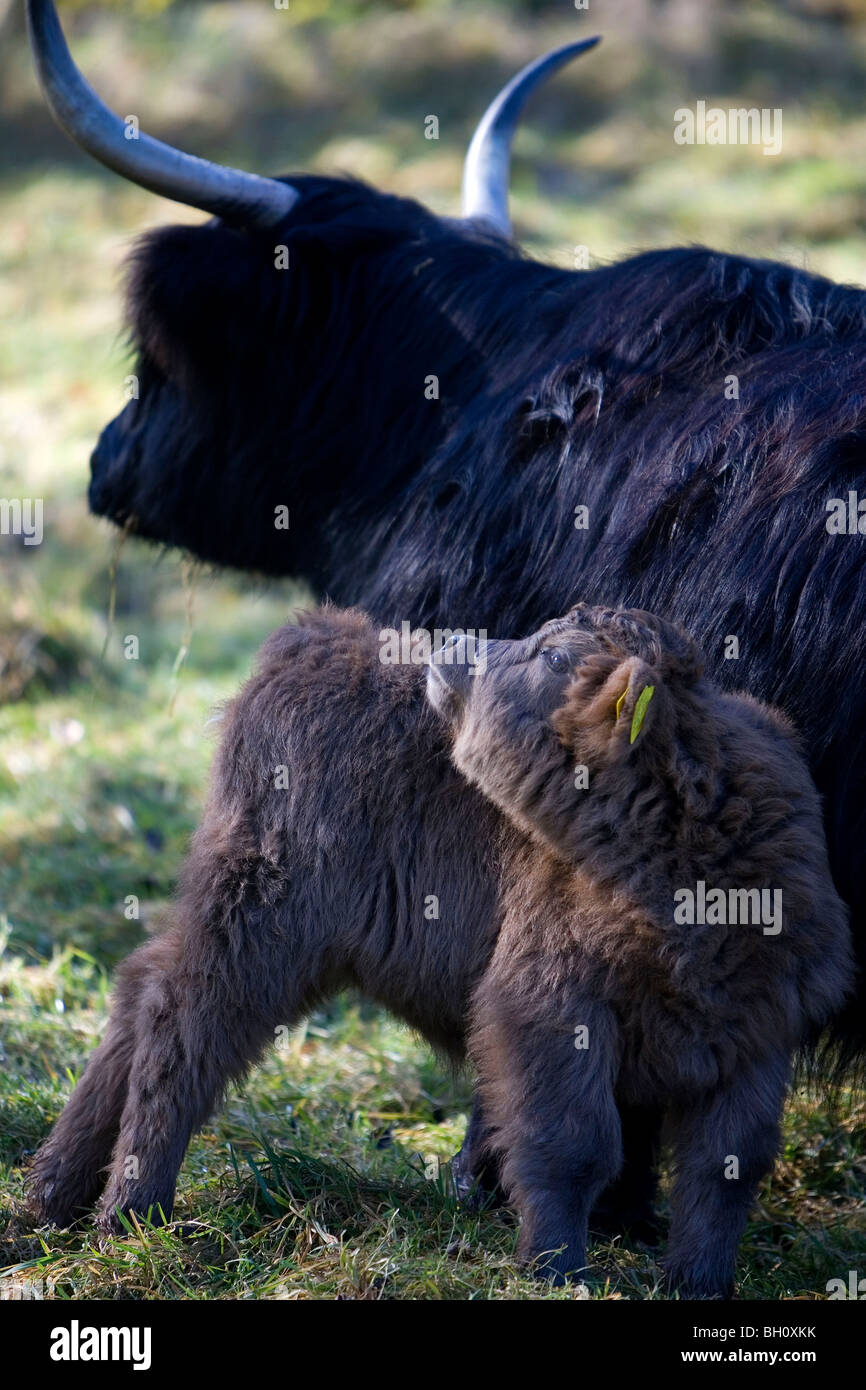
<point x="202" y="1022"/>
<point x="68" y="1170"/>
<point x="546" y="1068"/>
<point x="476" y="1168"/>
<point x="723" y="1148"/>
<point x="628" y="1205"/>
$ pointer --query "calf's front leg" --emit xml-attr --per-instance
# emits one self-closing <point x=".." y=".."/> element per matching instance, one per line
<point x="546" y="1063"/>
<point x="723" y="1147"/>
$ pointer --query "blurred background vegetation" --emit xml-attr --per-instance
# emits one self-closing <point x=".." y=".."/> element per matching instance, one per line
<point x="103" y="761"/>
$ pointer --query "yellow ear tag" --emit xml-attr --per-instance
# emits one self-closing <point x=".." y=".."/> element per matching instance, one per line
<point x="620" y="702"/>
<point x="640" y="709"/>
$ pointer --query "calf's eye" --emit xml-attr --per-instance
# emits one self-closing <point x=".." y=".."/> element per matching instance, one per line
<point x="556" y="659"/>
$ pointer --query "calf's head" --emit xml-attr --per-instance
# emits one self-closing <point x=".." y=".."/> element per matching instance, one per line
<point x="568" y="729"/>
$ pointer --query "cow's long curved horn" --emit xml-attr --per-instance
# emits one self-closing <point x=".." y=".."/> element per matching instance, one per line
<point x="488" y="159"/>
<point x="230" y="193"/>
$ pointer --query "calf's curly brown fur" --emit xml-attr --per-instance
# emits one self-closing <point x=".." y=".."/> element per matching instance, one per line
<point x="340" y="846"/>
<point x="641" y="787"/>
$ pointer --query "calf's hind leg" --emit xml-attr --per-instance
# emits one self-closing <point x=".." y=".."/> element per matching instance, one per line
<point x="202" y="1023"/>
<point x="476" y="1168"/>
<point x="68" y="1170"/>
<point x="627" y="1206"/>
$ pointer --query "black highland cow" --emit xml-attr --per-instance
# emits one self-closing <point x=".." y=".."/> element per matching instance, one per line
<point x="602" y="389"/>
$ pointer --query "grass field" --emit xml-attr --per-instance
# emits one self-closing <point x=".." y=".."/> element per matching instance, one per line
<point x="320" y="1177"/>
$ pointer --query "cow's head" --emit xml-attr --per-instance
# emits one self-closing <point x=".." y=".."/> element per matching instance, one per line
<point x="259" y="381"/>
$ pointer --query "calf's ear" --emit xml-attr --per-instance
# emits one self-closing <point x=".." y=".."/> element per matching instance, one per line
<point x="615" y="703"/>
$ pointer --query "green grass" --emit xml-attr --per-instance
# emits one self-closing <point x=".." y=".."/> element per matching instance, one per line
<point x="325" y="1175"/>
<point x="318" y="1179"/>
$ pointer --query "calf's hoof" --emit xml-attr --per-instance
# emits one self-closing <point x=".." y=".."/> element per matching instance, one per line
<point x="557" y="1267"/>
<point x="152" y="1208"/>
<point x="694" y="1283"/>
<point x="56" y="1195"/>
<point x="475" y="1190"/>
<point x="642" y="1225"/>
